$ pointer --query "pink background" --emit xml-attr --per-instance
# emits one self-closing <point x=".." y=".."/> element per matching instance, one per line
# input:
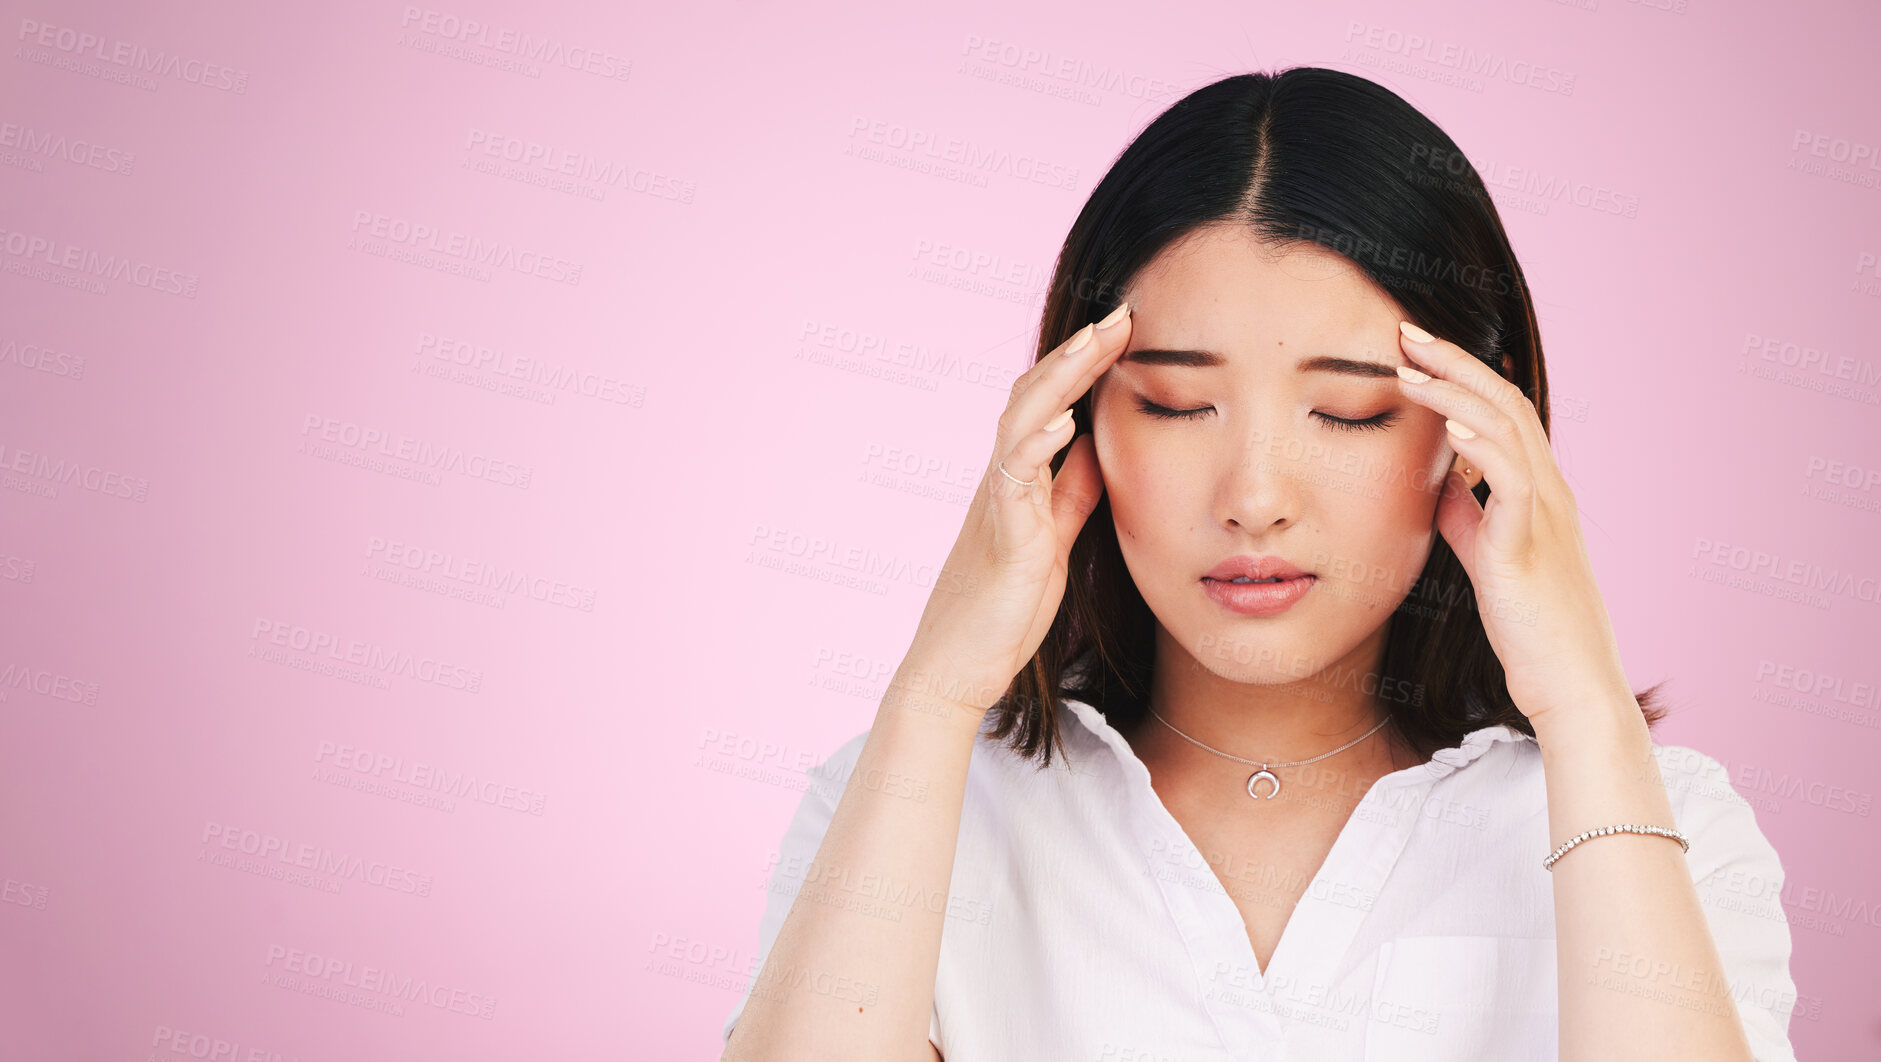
<point x="725" y="393"/>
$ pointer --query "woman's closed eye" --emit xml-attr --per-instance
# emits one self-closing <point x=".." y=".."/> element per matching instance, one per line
<point x="1375" y="422"/>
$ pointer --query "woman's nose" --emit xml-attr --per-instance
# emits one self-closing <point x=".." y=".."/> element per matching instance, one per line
<point x="1261" y="484"/>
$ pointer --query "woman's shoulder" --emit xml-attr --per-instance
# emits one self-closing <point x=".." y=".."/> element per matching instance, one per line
<point x="1705" y="805"/>
<point x="1698" y="785"/>
<point x="1720" y="822"/>
<point x="1687" y="770"/>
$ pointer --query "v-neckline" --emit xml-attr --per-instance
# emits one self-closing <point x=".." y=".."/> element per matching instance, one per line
<point x="1330" y="911"/>
<point x="1316" y="886"/>
<point x="1261" y="975"/>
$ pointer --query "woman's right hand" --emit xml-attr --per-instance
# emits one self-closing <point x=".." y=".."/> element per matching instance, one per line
<point x="1002" y="583"/>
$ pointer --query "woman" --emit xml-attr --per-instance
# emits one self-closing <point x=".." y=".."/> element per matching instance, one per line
<point x="1269" y="667"/>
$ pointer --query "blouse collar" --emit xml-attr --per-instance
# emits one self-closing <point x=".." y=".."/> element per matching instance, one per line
<point x="1443" y="762"/>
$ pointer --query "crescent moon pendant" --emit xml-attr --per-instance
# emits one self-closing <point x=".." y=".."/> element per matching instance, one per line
<point x="1256" y="777"/>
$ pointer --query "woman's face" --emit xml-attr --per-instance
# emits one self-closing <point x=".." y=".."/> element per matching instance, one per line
<point x="1265" y="465"/>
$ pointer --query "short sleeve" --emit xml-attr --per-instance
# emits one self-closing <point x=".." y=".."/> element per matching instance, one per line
<point x="1740" y="884"/>
<point x="795" y="852"/>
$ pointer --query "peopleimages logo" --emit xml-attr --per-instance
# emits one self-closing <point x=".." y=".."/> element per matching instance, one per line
<point x="59" y="254"/>
<point x="422" y="239"/>
<point x="327" y="436"/>
<point x="78" y="151"/>
<point x="79" y="44"/>
<point x="44" y="474"/>
<point x="579" y="166"/>
<point x="503" y="40"/>
<point x="51" y="684"/>
<point x="315" y="858"/>
<point x="210" y="1048"/>
<point x="375" y="658"/>
<point x="326" y="971"/>
<point x="421" y="775"/>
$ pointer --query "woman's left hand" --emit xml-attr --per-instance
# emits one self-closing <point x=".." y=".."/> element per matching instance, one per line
<point x="1524" y="550"/>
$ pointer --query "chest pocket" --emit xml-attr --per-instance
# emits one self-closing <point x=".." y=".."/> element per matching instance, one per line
<point x="1459" y="998"/>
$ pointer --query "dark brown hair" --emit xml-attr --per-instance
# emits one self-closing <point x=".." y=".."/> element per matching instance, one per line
<point x="1306" y="155"/>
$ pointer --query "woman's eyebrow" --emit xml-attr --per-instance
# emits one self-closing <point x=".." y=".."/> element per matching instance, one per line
<point x="1346" y="366"/>
<point x="1190" y="359"/>
<point x="1208" y="359"/>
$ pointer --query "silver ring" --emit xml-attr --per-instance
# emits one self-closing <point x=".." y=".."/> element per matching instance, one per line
<point x="1022" y="482"/>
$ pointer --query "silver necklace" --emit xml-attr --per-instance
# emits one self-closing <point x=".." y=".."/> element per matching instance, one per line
<point x="1263" y="772"/>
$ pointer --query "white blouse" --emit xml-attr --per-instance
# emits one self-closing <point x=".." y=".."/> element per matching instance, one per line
<point x="1082" y="923"/>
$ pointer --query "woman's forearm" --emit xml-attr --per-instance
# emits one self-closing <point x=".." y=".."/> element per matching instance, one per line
<point x="882" y="841"/>
<point x="1640" y="976"/>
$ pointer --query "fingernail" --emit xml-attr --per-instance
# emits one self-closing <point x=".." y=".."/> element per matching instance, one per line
<point x="1058" y="421"/>
<point x="1414" y="333"/>
<point x="1081" y="340"/>
<point x="1118" y="314"/>
<point x="1408" y="373"/>
<point x="1459" y="430"/>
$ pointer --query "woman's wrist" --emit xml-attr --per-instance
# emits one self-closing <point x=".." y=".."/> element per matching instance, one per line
<point x="1604" y="730"/>
<point x="931" y="685"/>
<point x="1596" y="712"/>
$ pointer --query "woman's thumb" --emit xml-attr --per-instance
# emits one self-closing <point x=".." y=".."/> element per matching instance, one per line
<point x="1076" y="488"/>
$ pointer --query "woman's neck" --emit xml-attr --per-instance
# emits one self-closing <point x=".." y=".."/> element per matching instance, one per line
<point x="1278" y="723"/>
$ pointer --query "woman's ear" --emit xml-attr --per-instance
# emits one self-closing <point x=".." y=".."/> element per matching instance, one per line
<point x="1471" y="474"/>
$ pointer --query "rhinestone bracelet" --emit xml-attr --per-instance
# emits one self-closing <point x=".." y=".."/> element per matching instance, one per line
<point x="1660" y="831"/>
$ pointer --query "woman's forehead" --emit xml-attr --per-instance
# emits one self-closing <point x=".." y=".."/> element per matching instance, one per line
<point x="1224" y="287"/>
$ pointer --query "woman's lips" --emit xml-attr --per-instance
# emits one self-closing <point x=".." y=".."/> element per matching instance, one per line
<point x="1258" y="599"/>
